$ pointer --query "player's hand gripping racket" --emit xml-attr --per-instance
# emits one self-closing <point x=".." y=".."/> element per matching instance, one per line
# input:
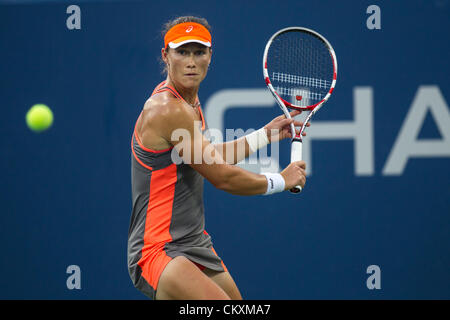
<point x="300" y="70"/>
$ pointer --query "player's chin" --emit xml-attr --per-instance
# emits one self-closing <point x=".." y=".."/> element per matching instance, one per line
<point x="192" y="81"/>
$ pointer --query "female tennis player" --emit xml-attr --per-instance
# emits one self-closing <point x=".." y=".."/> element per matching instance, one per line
<point x="170" y="255"/>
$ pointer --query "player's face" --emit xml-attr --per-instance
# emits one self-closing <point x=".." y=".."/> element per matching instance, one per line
<point x="188" y="64"/>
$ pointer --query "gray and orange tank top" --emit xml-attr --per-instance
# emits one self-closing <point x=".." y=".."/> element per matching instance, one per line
<point x="167" y="218"/>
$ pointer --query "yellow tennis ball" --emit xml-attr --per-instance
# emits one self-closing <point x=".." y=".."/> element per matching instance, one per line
<point x="39" y="117"/>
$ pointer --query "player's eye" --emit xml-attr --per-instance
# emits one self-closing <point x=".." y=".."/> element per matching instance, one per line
<point x="200" y="52"/>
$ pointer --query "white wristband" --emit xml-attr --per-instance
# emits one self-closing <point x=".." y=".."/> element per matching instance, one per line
<point x="275" y="183"/>
<point x="257" y="139"/>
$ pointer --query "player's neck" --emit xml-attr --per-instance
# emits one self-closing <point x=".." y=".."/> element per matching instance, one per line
<point x="189" y="94"/>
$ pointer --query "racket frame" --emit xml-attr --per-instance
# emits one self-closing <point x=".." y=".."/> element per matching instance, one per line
<point x="296" y="143"/>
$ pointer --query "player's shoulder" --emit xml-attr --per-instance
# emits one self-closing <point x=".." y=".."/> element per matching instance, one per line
<point x="167" y="108"/>
<point x="165" y="101"/>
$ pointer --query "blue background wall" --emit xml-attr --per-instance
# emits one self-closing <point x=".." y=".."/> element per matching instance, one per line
<point x="65" y="193"/>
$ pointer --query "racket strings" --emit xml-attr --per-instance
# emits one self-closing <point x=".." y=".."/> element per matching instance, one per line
<point x="300" y="68"/>
<point x="299" y="80"/>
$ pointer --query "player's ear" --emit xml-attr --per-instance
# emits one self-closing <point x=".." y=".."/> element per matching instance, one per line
<point x="210" y="56"/>
<point x="164" y="55"/>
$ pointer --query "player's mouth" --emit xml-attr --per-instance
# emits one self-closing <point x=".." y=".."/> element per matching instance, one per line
<point x="191" y="74"/>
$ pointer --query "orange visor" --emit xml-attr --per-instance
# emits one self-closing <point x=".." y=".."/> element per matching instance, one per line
<point x="187" y="32"/>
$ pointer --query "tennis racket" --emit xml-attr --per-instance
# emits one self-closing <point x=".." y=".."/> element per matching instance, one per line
<point x="300" y="69"/>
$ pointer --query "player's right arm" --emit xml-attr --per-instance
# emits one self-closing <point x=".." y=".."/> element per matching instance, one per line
<point x="182" y="131"/>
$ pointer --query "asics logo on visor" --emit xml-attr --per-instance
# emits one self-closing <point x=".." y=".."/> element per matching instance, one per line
<point x="189" y="29"/>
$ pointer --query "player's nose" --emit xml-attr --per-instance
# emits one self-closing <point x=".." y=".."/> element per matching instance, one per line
<point x="191" y="61"/>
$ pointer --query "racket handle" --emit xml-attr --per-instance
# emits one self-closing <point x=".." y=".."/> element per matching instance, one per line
<point x="296" y="155"/>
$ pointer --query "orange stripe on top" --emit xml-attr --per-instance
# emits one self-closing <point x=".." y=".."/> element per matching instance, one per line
<point x="136" y="157"/>
<point x="201" y="116"/>
<point x="140" y="143"/>
<point x="157" y="223"/>
<point x="158" y="86"/>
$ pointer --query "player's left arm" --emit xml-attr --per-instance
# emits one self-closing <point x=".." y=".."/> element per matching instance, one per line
<point x="278" y="129"/>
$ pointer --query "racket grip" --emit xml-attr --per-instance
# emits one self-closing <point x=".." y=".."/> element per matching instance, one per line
<point x="296" y="155"/>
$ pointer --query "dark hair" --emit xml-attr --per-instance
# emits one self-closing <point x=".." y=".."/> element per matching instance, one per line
<point x="171" y="23"/>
